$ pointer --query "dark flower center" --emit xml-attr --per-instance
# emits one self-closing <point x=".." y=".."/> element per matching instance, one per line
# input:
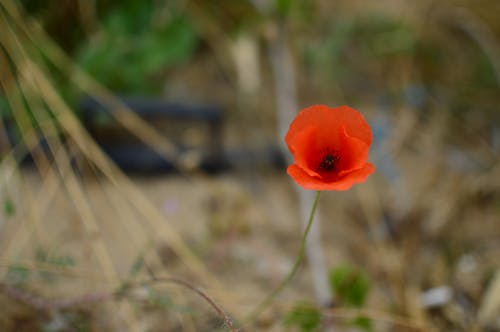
<point x="329" y="162"/>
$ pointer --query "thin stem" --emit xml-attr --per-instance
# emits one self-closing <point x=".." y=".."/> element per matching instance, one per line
<point x="52" y="305"/>
<point x="220" y="312"/>
<point x="294" y="269"/>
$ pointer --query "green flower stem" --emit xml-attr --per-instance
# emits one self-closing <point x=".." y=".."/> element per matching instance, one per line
<point x="294" y="269"/>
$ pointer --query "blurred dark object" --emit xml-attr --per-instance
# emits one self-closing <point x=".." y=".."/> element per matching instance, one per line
<point x="196" y="130"/>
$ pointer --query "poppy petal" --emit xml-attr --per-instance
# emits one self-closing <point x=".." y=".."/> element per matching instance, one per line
<point x="303" y="148"/>
<point x="329" y="121"/>
<point x="354" y="153"/>
<point x="344" y="183"/>
<point x="357" y="176"/>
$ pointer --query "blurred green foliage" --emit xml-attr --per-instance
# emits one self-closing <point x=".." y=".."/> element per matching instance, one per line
<point x="366" y="53"/>
<point x="133" y="46"/>
<point x="43" y="256"/>
<point x="376" y="54"/>
<point x="132" y="42"/>
<point x="355" y="47"/>
<point x="8" y="207"/>
<point x="283" y="7"/>
<point x="350" y="285"/>
<point x="363" y="323"/>
<point x="4" y="107"/>
<point x="17" y="274"/>
<point x="305" y="316"/>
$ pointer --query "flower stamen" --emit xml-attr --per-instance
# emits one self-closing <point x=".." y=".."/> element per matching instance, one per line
<point x="329" y="162"/>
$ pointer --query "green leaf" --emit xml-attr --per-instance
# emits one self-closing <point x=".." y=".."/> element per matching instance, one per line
<point x="5" y="110"/>
<point x="127" y="55"/>
<point x="305" y="316"/>
<point x="363" y="323"/>
<point x="43" y="256"/>
<point x="170" y="45"/>
<point x="284" y="7"/>
<point x="350" y="285"/>
<point x="8" y="207"/>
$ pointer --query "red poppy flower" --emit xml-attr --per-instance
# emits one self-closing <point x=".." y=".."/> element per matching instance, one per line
<point x="330" y="148"/>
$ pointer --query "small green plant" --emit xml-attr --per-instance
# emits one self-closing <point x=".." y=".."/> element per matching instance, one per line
<point x="305" y="316"/>
<point x="351" y="287"/>
<point x="44" y="256"/>
<point x="8" y="207"/>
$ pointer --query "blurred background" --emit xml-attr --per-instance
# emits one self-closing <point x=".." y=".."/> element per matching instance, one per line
<point x="145" y="138"/>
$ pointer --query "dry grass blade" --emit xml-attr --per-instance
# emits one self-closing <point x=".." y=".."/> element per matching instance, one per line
<point x="90" y="150"/>
<point x="41" y="114"/>
<point x="82" y="242"/>
<point x="88" y="85"/>
<point x="490" y="306"/>
<point x="71" y="183"/>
